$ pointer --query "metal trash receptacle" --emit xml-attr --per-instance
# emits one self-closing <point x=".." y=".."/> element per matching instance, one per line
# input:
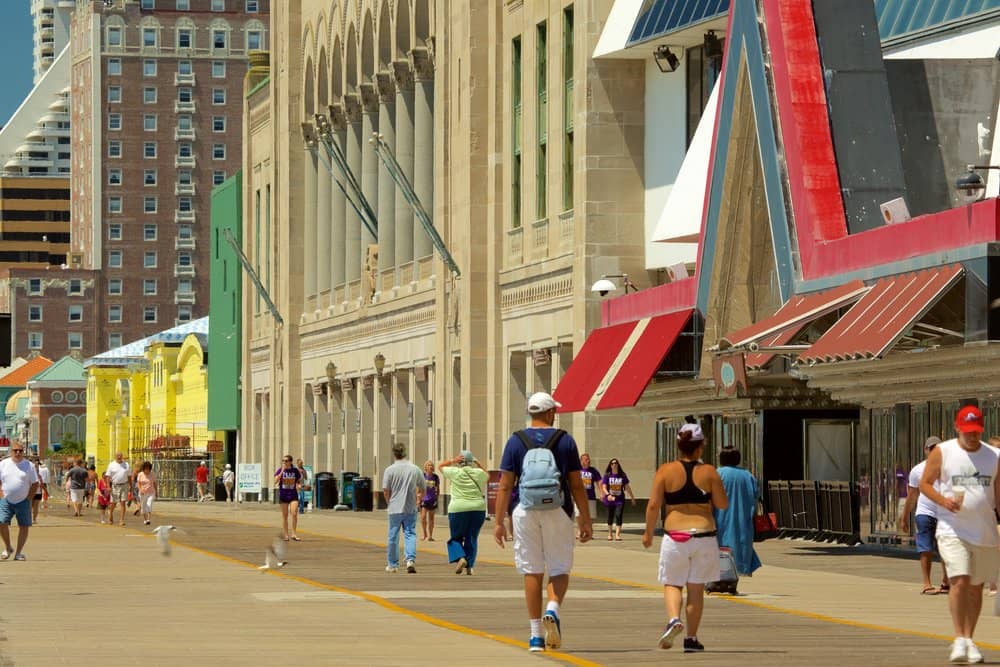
<point x="362" y="494"/>
<point x="220" y="490"/>
<point x="347" y="488"/>
<point x="325" y="490"/>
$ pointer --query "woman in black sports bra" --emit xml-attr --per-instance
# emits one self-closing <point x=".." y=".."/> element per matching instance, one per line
<point x="689" y="553"/>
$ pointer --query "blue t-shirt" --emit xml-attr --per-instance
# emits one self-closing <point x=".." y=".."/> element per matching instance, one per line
<point x="565" y="453"/>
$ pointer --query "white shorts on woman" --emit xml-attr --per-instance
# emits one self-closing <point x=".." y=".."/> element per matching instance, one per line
<point x="695" y="561"/>
<point x="146" y="502"/>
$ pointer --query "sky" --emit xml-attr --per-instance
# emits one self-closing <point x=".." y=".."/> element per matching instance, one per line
<point x="15" y="54"/>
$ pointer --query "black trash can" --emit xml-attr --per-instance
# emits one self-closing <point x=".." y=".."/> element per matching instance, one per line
<point x="220" y="490"/>
<point x="325" y="490"/>
<point x="362" y="494"/>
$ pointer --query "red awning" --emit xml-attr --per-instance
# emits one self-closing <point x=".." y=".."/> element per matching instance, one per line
<point x="616" y="363"/>
<point x="876" y="322"/>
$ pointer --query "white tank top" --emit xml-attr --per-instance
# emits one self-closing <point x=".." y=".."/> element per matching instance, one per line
<point x="975" y="474"/>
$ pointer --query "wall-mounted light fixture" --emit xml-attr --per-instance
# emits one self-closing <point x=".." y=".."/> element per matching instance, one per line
<point x="970" y="185"/>
<point x="604" y="285"/>
<point x="666" y="59"/>
<point x="712" y="45"/>
<point x="379" y="363"/>
<point x="331" y="375"/>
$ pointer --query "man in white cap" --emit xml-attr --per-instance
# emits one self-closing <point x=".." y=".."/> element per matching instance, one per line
<point x="545" y="464"/>
<point x="228" y="481"/>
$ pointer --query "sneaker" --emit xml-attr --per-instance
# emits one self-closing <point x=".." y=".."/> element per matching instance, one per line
<point x="411" y="567"/>
<point x="973" y="652"/>
<point x="470" y="571"/>
<point x="4" y="555"/>
<point x="553" y="631"/>
<point x="959" y="653"/>
<point x="391" y="568"/>
<point x="692" y="645"/>
<point x="536" y="644"/>
<point x="21" y="557"/>
<point x="674" y="628"/>
<point x="460" y="565"/>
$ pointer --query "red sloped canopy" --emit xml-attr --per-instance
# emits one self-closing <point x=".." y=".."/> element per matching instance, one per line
<point x="879" y="319"/>
<point x="590" y="366"/>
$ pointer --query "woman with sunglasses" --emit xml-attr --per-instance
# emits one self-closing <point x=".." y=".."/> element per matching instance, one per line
<point x="615" y="485"/>
<point x="288" y="479"/>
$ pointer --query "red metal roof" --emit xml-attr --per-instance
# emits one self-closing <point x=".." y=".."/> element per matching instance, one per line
<point x="590" y="366"/>
<point x="797" y="312"/>
<point x="19" y="376"/>
<point x="623" y="387"/>
<point x="879" y="319"/>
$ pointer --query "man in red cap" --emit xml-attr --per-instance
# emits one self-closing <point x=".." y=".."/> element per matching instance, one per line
<point x="964" y="471"/>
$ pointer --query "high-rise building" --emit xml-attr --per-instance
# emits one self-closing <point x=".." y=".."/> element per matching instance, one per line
<point x="51" y="23"/>
<point x="157" y="103"/>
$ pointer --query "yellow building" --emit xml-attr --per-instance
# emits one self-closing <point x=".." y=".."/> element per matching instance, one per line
<point x="149" y="399"/>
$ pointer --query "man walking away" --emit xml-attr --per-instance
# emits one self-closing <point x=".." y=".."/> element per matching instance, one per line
<point x="77" y="480"/>
<point x="201" y="479"/>
<point x="926" y="520"/>
<point x="18" y="483"/>
<point x="964" y="470"/>
<point x="399" y="488"/>
<point x="120" y="475"/>
<point x="545" y="464"/>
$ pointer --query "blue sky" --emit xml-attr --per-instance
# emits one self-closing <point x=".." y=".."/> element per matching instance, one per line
<point x="15" y="54"/>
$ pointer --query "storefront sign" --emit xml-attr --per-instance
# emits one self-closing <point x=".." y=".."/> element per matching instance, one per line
<point x="248" y="478"/>
<point x="214" y="446"/>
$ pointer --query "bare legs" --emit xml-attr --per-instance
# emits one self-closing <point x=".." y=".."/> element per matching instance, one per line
<point x="22" y="537"/>
<point x="427" y="523"/>
<point x="673" y="597"/>
<point x="292" y="509"/>
<point x="965" y="601"/>
<point x="533" y="592"/>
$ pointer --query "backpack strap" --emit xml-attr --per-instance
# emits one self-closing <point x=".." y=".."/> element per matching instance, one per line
<point x="548" y="444"/>
<point x="553" y="440"/>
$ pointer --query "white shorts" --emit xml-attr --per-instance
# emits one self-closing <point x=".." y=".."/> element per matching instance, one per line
<point x="543" y="541"/>
<point x="146" y="502"/>
<point x="76" y="495"/>
<point x="693" y="562"/>
<point x="962" y="559"/>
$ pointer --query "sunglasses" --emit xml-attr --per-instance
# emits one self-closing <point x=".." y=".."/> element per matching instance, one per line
<point x="287" y="460"/>
<point x="17" y="451"/>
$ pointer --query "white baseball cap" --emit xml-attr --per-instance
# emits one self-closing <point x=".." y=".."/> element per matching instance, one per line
<point x="541" y="402"/>
<point x="695" y="430"/>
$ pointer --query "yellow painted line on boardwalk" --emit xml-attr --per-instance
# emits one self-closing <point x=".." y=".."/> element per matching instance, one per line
<point x="392" y="606"/>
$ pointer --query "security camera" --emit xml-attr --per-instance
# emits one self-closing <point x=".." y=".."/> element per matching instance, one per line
<point x="603" y="286"/>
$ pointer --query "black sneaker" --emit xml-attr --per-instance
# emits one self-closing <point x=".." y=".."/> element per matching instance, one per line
<point x="692" y="645"/>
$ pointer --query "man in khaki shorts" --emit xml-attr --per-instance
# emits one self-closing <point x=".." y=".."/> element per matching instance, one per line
<point x="965" y="471"/>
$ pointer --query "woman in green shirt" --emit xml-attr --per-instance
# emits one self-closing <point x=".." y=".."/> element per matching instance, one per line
<point x="467" y="509"/>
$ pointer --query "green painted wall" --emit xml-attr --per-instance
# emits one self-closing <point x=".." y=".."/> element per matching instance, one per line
<point x="224" y="331"/>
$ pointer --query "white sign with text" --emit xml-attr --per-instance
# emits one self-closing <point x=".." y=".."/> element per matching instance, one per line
<point x="248" y="478"/>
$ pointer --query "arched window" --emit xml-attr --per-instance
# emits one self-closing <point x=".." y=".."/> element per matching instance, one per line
<point x="81" y="428"/>
<point x="70" y="427"/>
<point x="55" y="429"/>
<point x="219" y="36"/>
<point x="254" y="36"/>
<point x="184" y="34"/>
<point x="114" y="34"/>
<point x="149" y="34"/>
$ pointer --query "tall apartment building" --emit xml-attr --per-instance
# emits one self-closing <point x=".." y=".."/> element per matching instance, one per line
<point x="157" y="103"/>
<point x="51" y="25"/>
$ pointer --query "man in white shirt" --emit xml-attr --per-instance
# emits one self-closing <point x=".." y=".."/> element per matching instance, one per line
<point x="44" y="477"/>
<point x="119" y="474"/>
<point x="926" y="522"/>
<point x="18" y="483"/>
<point x="960" y="477"/>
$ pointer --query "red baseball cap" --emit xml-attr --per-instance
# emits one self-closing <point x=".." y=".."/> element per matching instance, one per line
<point x="969" y="420"/>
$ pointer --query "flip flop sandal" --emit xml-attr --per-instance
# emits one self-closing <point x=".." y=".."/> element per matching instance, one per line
<point x="944" y="589"/>
<point x="930" y="590"/>
<point x="296" y="538"/>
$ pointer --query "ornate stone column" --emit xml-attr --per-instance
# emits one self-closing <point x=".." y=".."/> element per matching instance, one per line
<point x="423" y="145"/>
<point x="352" y="114"/>
<point x="369" y="170"/>
<point x="309" y="223"/>
<point x="321" y="249"/>
<point x="403" y="73"/>
<point x="338" y="216"/>
<point x="386" y="90"/>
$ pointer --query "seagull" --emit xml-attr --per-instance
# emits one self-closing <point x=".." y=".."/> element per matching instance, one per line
<point x="274" y="556"/>
<point x="163" y="537"/>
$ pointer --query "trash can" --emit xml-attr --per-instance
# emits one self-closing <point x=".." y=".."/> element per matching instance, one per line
<point x="325" y="490"/>
<point x="220" y="490"/>
<point x="362" y="494"/>
<point x="347" y="488"/>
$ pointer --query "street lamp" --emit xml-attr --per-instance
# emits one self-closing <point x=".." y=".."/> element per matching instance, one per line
<point x="971" y="185"/>
<point x="379" y="363"/>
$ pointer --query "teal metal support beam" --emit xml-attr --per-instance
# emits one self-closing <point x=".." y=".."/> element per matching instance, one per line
<point x="254" y="278"/>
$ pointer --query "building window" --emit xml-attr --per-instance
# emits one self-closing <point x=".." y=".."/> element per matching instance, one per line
<point x="218" y="96"/>
<point x="184" y="40"/>
<point x="185" y="232"/>
<point x="541" y="119"/>
<point x="115" y="231"/>
<point x="34" y="313"/>
<point x="34" y="286"/>
<point x="149" y="149"/>
<point x="76" y="313"/>
<point x="218" y="177"/>
<point x="184" y="122"/>
<point x="184" y="204"/>
<point x="148" y="4"/>
<point x="184" y="150"/>
<point x="75" y="340"/>
<point x="184" y="259"/>
<point x="183" y="313"/>
<point x="149" y="287"/>
<point x="114" y="148"/>
<point x="149" y="313"/>
<point x="253" y="40"/>
<point x="75" y="287"/>
<point x="114" y="36"/>
<point x="149" y="95"/>
<point x="149" y="232"/>
<point x="515" y="170"/>
<point x="184" y="95"/>
<point x="114" y="176"/>
<point x="149" y="37"/>
<point x="218" y="123"/>
<point x="115" y="339"/>
<point x="701" y="73"/>
<point x="115" y="259"/>
<point x="115" y="287"/>
<point x="149" y="177"/>
<point x="568" y="64"/>
<point x="115" y="313"/>
<point x="149" y="204"/>
<point x="149" y="122"/>
<point x="218" y="5"/>
<point x="114" y="66"/>
<point x="184" y="177"/>
<point x="218" y="69"/>
<point x="114" y="121"/>
<point x="219" y="39"/>
<point x="185" y="67"/>
<point x="149" y="67"/>
<point x="183" y="5"/>
<point x="149" y="259"/>
<point x="114" y="94"/>
<point x="218" y="151"/>
<point x="114" y="204"/>
<point x="34" y="340"/>
<point x="252" y="6"/>
<point x="185" y="286"/>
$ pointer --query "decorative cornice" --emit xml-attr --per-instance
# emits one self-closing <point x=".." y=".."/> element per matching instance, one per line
<point x="385" y="85"/>
<point x="521" y="295"/>
<point x="338" y="117"/>
<point x="403" y="73"/>
<point x="369" y="97"/>
<point x="352" y="107"/>
<point x="396" y="324"/>
<point x="423" y="63"/>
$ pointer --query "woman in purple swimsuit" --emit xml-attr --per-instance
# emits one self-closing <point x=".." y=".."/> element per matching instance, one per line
<point x="429" y="501"/>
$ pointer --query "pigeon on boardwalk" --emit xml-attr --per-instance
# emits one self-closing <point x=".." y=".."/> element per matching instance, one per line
<point x="274" y="556"/>
<point x="163" y="537"/>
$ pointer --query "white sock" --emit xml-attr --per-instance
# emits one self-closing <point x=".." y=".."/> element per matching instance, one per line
<point x="552" y="606"/>
<point x="536" y="628"/>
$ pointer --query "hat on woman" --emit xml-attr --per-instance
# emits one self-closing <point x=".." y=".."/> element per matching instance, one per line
<point x="467" y="457"/>
<point x="694" y="430"/>
<point x="229" y="467"/>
